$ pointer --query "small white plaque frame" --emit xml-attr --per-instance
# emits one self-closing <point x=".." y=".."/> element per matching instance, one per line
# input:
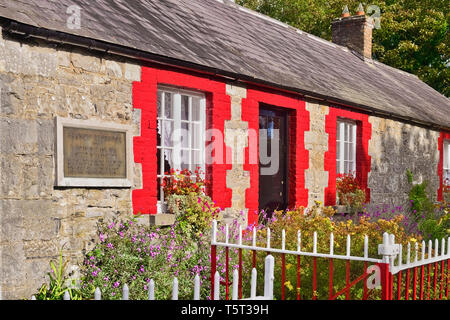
<point x="62" y="181"/>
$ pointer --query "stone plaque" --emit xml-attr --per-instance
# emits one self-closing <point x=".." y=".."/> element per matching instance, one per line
<point x="92" y="153"/>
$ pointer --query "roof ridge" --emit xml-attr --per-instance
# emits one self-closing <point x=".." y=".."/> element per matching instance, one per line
<point x="309" y="35"/>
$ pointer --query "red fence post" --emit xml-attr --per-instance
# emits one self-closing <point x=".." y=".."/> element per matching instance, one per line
<point x="385" y="281"/>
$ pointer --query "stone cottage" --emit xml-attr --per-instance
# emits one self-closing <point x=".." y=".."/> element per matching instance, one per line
<point x="99" y="99"/>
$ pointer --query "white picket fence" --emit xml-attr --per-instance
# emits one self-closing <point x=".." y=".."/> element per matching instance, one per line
<point x="419" y="260"/>
<point x="268" y="286"/>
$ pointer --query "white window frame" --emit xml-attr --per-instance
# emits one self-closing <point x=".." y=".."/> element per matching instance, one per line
<point x="343" y="155"/>
<point x="446" y="160"/>
<point x="176" y="139"/>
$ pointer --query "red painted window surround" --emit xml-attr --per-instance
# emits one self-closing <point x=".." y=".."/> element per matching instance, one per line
<point x="145" y="98"/>
<point x="443" y="136"/>
<point x="363" y="164"/>
<point x="299" y="156"/>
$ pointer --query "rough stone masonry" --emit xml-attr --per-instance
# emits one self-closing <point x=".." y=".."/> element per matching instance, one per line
<point x="37" y="83"/>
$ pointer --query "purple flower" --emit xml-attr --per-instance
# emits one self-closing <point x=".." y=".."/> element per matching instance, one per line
<point x="110" y="245"/>
<point x="116" y="284"/>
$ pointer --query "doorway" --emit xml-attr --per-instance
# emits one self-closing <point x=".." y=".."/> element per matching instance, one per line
<point x="273" y="158"/>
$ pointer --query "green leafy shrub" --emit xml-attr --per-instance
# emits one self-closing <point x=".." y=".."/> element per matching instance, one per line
<point x="132" y="254"/>
<point x="194" y="212"/>
<point x="421" y="203"/>
<point x="58" y="285"/>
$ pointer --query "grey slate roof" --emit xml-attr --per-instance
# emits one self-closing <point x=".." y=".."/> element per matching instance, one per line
<point x="227" y="37"/>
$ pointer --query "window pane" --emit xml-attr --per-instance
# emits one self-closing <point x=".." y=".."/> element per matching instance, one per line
<point x="262" y="123"/>
<point x="346" y="151"/>
<point x="168" y="163"/>
<point x="196" y="160"/>
<point x="338" y="150"/>
<point x="158" y="183"/>
<point x="158" y="160"/>
<point x="196" y="135"/>
<point x="350" y="151"/>
<point x="338" y="131"/>
<point x="346" y="133"/>
<point x="158" y="134"/>
<point x="346" y="167"/>
<point x="167" y="135"/>
<point x="447" y="176"/>
<point x="159" y="104"/>
<point x="184" y="108"/>
<point x="185" y="162"/>
<point x="446" y="155"/>
<point x="168" y="105"/>
<point x="338" y="167"/>
<point x="184" y="135"/>
<point x="195" y="109"/>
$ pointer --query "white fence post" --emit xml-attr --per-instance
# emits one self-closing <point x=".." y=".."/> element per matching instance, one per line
<point x="253" y="284"/>
<point x="197" y="287"/>
<point x="235" y="285"/>
<point x="97" y="294"/>
<point x="269" y="277"/>
<point x="66" y="295"/>
<point x="216" y="286"/>
<point x="151" y="290"/>
<point x="125" y="292"/>
<point x="175" y="289"/>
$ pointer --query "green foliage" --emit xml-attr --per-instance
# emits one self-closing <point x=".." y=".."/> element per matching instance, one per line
<point x="58" y="283"/>
<point x="308" y="221"/>
<point x="433" y="219"/>
<point x="413" y="35"/>
<point x="194" y="212"/>
<point x="421" y="204"/>
<point x="436" y="229"/>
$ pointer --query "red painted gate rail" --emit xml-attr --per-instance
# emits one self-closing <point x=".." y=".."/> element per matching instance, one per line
<point x="426" y="277"/>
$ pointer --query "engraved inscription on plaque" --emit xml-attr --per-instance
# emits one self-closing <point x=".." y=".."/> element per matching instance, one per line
<point x="92" y="153"/>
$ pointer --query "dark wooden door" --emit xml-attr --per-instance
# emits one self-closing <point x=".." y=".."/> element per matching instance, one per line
<point x="273" y="160"/>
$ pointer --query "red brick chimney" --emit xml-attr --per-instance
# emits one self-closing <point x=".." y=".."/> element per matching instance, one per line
<point x="354" y="32"/>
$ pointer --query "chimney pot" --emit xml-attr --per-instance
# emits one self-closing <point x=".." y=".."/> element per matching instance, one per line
<point x="345" y="12"/>
<point x="360" y="11"/>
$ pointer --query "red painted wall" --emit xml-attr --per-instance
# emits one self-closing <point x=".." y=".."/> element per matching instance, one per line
<point x="145" y="98"/>
<point x="299" y="157"/>
<point x="443" y="136"/>
<point x="363" y="163"/>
